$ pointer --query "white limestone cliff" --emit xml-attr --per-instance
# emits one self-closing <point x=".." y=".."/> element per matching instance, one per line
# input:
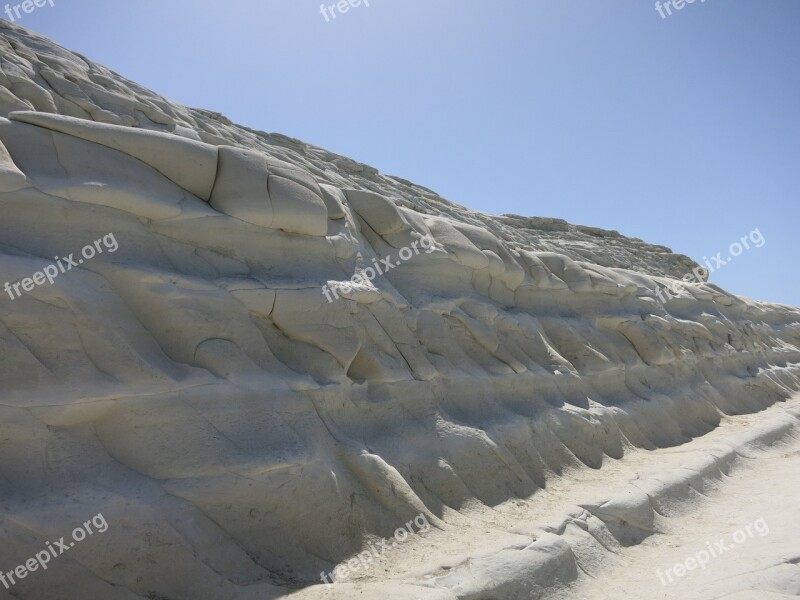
<point x="240" y="432"/>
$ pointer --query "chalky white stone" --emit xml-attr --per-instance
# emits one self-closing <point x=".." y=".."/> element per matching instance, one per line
<point x="242" y="434"/>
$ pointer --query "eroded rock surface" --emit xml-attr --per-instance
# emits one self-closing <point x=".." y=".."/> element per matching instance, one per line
<point x="239" y="431"/>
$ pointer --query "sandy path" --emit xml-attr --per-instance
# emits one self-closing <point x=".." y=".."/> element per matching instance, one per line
<point x="752" y="524"/>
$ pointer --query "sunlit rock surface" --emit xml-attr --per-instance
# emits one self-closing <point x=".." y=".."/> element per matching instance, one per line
<point x="240" y="429"/>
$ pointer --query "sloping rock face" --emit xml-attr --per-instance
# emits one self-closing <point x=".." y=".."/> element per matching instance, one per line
<point x="210" y="378"/>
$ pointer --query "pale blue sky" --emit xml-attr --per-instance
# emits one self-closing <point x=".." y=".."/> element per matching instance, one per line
<point x="682" y="131"/>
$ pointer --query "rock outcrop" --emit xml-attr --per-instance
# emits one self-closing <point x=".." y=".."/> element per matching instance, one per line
<point x="241" y="430"/>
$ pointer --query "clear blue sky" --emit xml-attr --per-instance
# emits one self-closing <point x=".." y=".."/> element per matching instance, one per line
<point x="682" y="131"/>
